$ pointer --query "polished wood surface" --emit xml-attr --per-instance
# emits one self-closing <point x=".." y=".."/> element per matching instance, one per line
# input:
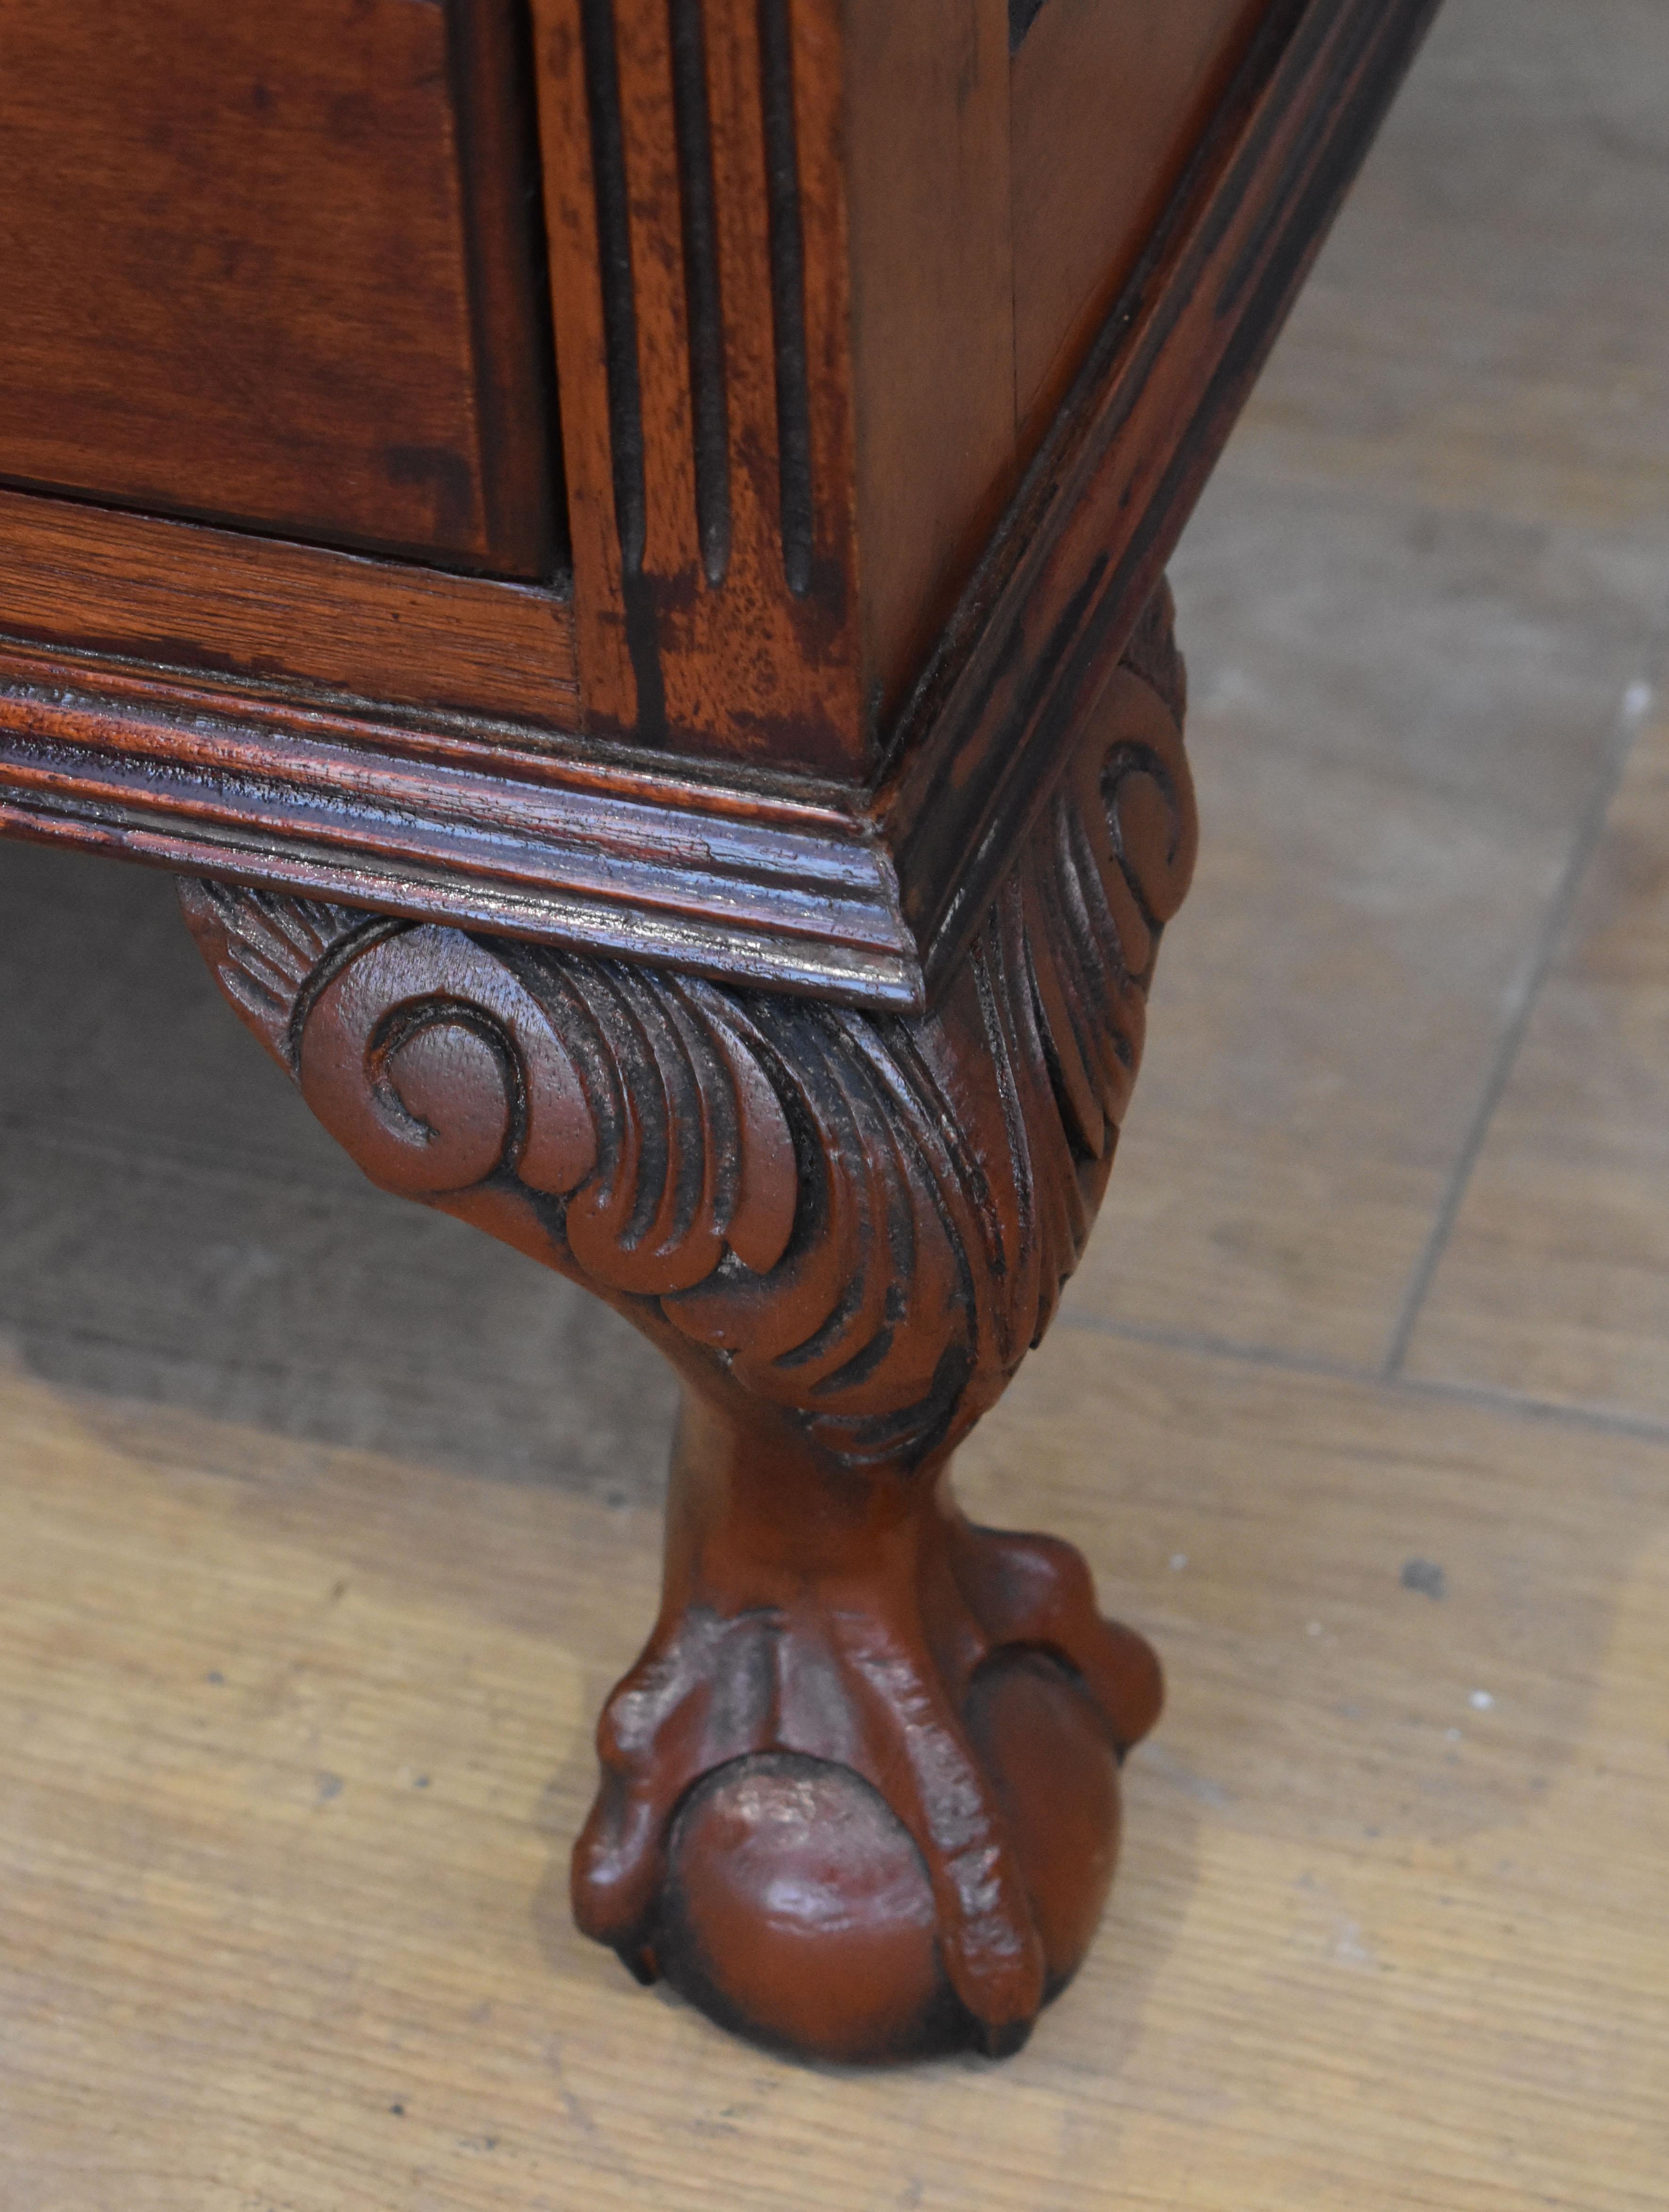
<point x="272" y="267"/>
<point x="1108" y="104"/>
<point x="928" y="95"/>
<point x="285" y="618"/>
<point x="845" y="1234"/>
<point x="787" y="393"/>
<point x="654" y="864"/>
<point x="1080" y="550"/>
<point x="782" y="244"/>
<point x="265" y="1425"/>
<point x="706" y="396"/>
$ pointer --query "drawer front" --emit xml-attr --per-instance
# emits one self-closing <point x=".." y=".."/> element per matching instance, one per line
<point x="274" y="266"/>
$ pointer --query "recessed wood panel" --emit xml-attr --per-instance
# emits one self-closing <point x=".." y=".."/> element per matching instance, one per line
<point x="1109" y="98"/>
<point x="273" y="266"/>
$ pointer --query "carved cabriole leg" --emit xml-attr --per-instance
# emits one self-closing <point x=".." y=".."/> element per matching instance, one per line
<point x="859" y="1794"/>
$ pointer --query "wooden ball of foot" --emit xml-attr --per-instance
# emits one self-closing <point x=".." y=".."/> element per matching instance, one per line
<point x="799" y="1911"/>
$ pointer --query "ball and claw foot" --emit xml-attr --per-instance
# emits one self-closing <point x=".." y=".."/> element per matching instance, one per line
<point x="861" y="1815"/>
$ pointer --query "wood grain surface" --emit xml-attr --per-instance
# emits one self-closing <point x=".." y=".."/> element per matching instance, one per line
<point x="643" y="861"/>
<point x="295" y="1741"/>
<point x="398" y="1495"/>
<point x="272" y="267"/>
<point x="706" y="387"/>
<point x="934" y="275"/>
<point x="1105" y="499"/>
<point x="303" y="617"/>
<point x="1107" y="105"/>
<point x="703" y="187"/>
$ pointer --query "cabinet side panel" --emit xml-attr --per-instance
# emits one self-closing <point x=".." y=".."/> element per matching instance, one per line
<point x="933" y="311"/>
<point x="1110" y="98"/>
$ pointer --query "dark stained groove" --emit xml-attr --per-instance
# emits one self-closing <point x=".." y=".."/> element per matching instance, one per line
<point x="536" y="251"/>
<point x="614" y="244"/>
<point x="643" y="650"/>
<point x="787" y="243"/>
<point x="490" y="63"/>
<point x="1023" y="14"/>
<point x="704" y="305"/>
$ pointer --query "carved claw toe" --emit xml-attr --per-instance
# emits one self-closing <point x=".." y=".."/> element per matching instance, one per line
<point x="1037" y="1591"/>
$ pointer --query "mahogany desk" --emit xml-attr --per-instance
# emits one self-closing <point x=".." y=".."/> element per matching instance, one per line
<point x="616" y="546"/>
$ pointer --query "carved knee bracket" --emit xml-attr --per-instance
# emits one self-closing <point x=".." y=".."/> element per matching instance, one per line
<point x="859" y="1794"/>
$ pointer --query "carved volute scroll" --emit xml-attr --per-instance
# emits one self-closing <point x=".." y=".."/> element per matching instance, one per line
<point x="846" y="1230"/>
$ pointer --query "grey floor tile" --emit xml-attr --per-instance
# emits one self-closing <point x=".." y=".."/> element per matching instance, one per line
<point x="175" y="1226"/>
<point x="1397" y="715"/>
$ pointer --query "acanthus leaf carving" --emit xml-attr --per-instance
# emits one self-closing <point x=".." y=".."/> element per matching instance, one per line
<point x="865" y="1219"/>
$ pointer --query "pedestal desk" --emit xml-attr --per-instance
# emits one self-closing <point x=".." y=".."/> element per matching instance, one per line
<point x="615" y="547"/>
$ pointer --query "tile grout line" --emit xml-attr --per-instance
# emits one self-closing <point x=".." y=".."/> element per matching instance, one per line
<point x="1202" y="1342"/>
<point x="1488" y="1397"/>
<point x="1522" y="995"/>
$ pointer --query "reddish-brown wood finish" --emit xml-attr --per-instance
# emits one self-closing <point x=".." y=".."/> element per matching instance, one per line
<point x="845" y="1231"/>
<point x="700" y="276"/>
<point x="647" y="861"/>
<point x="932" y="316"/>
<point x="852" y="816"/>
<point x="915" y="837"/>
<point x="783" y="280"/>
<point x="1108" y="103"/>
<point x="1103" y="502"/>
<point x="272" y="266"/>
<point x="303" y="619"/>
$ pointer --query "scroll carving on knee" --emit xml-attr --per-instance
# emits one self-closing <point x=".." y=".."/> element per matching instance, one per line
<point x="859" y="1795"/>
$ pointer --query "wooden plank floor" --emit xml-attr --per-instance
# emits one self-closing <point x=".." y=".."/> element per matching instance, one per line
<point x="325" y="1525"/>
<point x="294" y="1747"/>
